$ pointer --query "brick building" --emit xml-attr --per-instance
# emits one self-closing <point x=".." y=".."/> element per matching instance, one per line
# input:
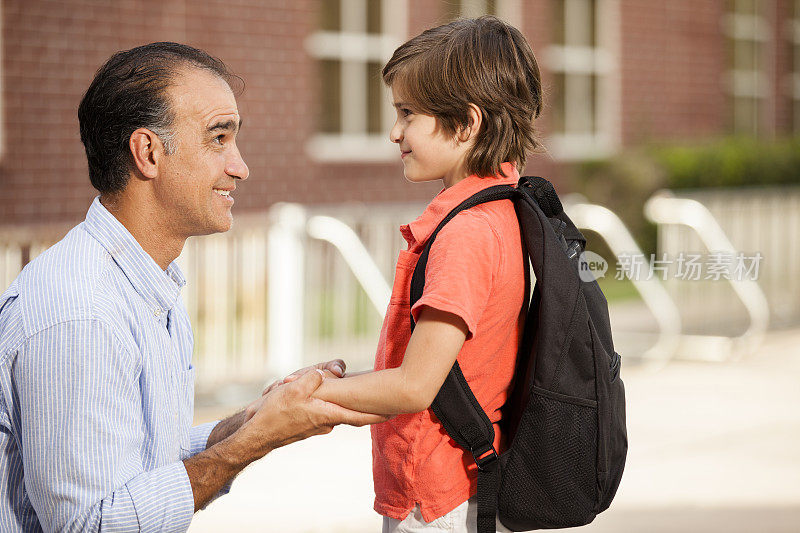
<point x="617" y="73"/>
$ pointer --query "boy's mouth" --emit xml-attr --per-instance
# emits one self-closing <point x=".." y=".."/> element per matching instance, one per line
<point x="404" y="153"/>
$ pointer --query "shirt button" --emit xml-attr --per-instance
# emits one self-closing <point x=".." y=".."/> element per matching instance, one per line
<point x="157" y="311"/>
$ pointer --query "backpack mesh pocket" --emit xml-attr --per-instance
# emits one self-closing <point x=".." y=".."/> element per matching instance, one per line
<point x="549" y="471"/>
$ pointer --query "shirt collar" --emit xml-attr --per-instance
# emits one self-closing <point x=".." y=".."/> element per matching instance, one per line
<point x="418" y="231"/>
<point x="159" y="289"/>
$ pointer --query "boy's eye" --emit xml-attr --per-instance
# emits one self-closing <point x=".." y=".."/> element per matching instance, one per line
<point x="405" y="112"/>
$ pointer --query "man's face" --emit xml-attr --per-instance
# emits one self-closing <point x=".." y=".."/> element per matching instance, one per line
<point x="196" y="182"/>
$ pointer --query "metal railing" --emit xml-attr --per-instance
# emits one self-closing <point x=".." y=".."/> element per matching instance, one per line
<point x="296" y="284"/>
<point x="291" y="234"/>
<point x="763" y="220"/>
<point x="301" y="284"/>
<point x="666" y="210"/>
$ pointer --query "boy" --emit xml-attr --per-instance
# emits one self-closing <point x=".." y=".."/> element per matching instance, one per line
<point x="466" y="94"/>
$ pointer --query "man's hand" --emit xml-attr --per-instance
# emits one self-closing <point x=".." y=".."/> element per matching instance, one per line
<point x="285" y="415"/>
<point x="332" y="369"/>
<point x="290" y="413"/>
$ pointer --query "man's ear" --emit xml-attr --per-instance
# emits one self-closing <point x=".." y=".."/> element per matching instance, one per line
<point x="147" y="149"/>
<point x="475" y="121"/>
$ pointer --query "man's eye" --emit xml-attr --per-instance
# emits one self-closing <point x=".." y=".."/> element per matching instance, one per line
<point x="219" y="139"/>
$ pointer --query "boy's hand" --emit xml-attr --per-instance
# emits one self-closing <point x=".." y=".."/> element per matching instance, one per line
<point x="331" y="369"/>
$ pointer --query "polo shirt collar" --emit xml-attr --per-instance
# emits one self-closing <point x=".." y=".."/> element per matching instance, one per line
<point x="418" y="231"/>
<point x="160" y="289"/>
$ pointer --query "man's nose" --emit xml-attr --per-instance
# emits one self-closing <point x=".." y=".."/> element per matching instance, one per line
<point x="236" y="166"/>
<point x="396" y="133"/>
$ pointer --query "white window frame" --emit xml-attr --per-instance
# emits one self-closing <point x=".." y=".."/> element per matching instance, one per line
<point x="602" y="61"/>
<point x="355" y="49"/>
<point x="748" y="83"/>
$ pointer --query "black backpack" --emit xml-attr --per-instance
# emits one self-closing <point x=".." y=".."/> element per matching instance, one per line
<point x="565" y="418"/>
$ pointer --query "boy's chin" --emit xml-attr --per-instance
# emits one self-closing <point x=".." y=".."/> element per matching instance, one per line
<point x="414" y="177"/>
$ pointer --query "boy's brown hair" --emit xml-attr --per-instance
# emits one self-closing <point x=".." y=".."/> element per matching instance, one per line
<point x="482" y="61"/>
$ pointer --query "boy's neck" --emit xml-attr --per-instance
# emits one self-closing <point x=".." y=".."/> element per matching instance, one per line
<point x="455" y="175"/>
<point x="452" y="181"/>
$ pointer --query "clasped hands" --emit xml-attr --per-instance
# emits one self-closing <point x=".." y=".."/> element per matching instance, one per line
<point x="287" y="410"/>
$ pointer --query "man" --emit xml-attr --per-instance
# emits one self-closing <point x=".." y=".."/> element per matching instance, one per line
<point x="96" y="384"/>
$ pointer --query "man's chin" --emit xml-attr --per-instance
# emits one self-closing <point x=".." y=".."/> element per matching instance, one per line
<point x="220" y="225"/>
<point x="223" y="225"/>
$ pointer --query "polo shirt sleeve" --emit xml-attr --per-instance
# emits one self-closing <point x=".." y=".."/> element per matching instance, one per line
<point x="81" y="415"/>
<point x="461" y="269"/>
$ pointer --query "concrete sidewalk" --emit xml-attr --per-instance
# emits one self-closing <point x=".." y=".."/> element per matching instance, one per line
<point x="713" y="448"/>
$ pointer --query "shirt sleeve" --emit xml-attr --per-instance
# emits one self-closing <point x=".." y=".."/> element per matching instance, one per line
<point x="81" y="432"/>
<point x="198" y="437"/>
<point x="460" y="270"/>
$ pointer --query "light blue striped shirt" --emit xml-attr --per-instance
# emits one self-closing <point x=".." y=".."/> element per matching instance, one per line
<point x="96" y="388"/>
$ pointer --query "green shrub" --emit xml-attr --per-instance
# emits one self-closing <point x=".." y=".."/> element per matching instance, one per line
<point x="734" y="162"/>
<point x="623" y="183"/>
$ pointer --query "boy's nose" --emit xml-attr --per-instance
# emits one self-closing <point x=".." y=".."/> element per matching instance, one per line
<point x="396" y="133"/>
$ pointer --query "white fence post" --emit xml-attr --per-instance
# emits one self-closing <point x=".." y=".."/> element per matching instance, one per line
<point x="285" y="293"/>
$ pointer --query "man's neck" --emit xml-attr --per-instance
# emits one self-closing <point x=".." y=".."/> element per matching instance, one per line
<point x="146" y="226"/>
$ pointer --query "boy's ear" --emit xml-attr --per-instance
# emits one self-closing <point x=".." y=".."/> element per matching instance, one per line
<point x="475" y="120"/>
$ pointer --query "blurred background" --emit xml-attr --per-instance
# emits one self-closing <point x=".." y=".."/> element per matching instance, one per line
<point x="671" y="133"/>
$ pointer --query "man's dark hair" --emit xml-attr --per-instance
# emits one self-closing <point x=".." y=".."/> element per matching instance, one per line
<point x="129" y="92"/>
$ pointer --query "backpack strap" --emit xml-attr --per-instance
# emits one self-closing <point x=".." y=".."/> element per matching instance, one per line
<point x="545" y="195"/>
<point x="455" y="404"/>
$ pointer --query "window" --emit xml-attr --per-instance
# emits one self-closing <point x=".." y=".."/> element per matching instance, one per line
<point x="747" y="34"/>
<point x="581" y="63"/>
<point x="505" y="9"/>
<point x="354" y="41"/>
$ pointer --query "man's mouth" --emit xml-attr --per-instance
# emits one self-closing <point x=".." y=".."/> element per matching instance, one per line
<point x="225" y="194"/>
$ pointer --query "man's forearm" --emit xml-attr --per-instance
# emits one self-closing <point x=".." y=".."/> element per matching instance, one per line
<point x="225" y="428"/>
<point x="212" y="468"/>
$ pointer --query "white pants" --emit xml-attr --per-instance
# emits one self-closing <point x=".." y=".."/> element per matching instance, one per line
<point x="462" y="519"/>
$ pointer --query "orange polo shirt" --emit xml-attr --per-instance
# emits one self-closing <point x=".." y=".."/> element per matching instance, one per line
<point x="475" y="270"/>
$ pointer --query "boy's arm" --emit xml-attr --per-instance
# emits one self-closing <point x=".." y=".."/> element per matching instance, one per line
<point x="410" y="388"/>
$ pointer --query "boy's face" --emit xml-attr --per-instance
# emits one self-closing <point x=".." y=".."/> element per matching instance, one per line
<point x="428" y="153"/>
